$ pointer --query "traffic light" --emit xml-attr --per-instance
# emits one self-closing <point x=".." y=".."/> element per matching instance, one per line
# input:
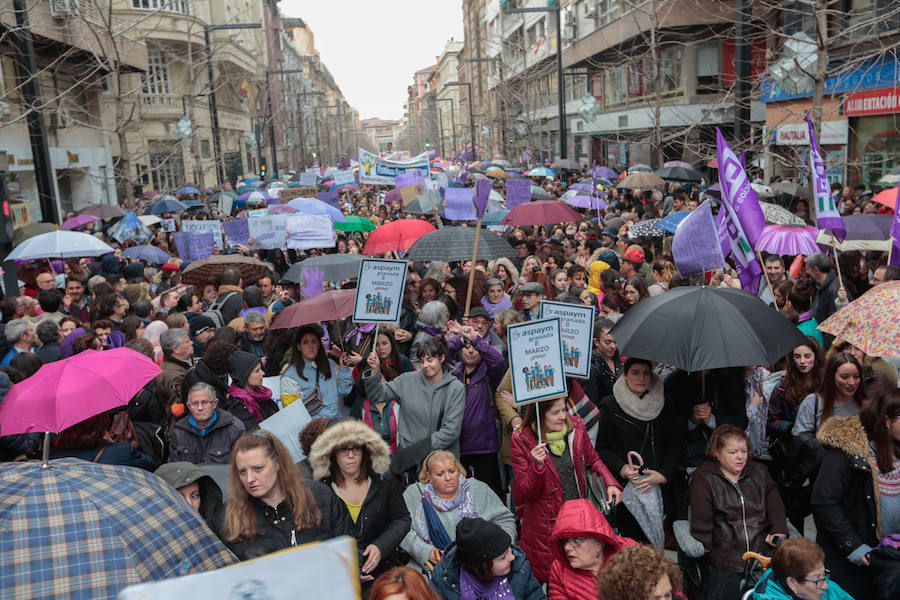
<point x="262" y="170"/>
<point x="6" y="221"/>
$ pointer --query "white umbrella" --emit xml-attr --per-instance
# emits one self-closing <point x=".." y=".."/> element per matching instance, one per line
<point x="59" y="244"/>
<point x="149" y="220"/>
<point x="763" y="190"/>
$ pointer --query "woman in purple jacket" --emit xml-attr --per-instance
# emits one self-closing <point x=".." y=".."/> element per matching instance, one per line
<point x="481" y="368"/>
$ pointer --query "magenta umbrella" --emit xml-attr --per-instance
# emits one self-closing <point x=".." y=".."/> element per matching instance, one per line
<point x="788" y="239"/>
<point x="80" y="221"/>
<point x="68" y="391"/>
<point x="541" y="212"/>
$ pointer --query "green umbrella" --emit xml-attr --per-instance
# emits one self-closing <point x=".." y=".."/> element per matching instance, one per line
<point x="354" y="223"/>
<point x="20" y="234"/>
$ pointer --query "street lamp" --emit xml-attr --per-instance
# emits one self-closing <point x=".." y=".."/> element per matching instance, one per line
<point x="471" y="110"/>
<point x="452" y="121"/>
<point x="213" y="108"/>
<point x="272" y="114"/>
<point x="560" y="80"/>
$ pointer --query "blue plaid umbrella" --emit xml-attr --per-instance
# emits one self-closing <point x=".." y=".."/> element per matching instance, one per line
<point x="86" y="530"/>
<point x="151" y="254"/>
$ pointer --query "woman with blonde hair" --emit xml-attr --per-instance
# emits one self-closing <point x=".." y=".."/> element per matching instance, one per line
<point x="270" y="507"/>
<point x="442" y="497"/>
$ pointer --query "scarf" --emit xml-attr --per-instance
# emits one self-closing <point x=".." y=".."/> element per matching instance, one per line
<point x="252" y="399"/>
<point x="642" y="408"/>
<point x="556" y="440"/>
<point x="471" y="588"/>
<point x="430" y="331"/>
<point x="463" y="501"/>
<point x="492" y="309"/>
<point x="359" y="331"/>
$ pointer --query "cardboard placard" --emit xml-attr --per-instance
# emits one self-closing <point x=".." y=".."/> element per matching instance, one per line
<point x="576" y="331"/>
<point x="214" y="227"/>
<point x="297" y="192"/>
<point x="536" y="361"/>
<point x="379" y="290"/>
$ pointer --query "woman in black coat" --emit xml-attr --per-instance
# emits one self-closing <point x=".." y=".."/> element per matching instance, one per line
<point x="351" y="457"/>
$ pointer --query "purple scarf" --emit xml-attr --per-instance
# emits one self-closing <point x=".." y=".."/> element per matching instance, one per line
<point x="359" y="331"/>
<point x="252" y="399"/>
<point x="472" y="589"/>
<point x="430" y="331"/>
<point x="493" y="308"/>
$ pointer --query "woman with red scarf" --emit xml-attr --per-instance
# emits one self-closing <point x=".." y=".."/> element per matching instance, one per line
<point x="248" y="399"/>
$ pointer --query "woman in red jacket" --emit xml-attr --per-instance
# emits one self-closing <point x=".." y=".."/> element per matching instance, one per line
<point x="548" y="473"/>
<point x="582" y="542"/>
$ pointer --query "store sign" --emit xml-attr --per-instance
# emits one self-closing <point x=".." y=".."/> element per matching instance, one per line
<point x="834" y="133"/>
<point x="877" y="102"/>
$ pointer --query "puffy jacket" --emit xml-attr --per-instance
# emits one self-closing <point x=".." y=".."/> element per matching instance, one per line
<point x="768" y="588"/>
<point x="579" y="518"/>
<point x="215" y="447"/>
<point x="524" y="586"/>
<point x="479" y="432"/>
<point x="730" y="519"/>
<point x="538" y="491"/>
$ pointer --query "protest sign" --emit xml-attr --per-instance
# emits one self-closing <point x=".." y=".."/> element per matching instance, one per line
<point x="308" y="179"/>
<point x="267" y="232"/>
<point x="237" y="232"/>
<point x="576" y="330"/>
<point x="536" y="361"/>
<point x="381" y="171"/>
<point x="167" y="225"/>
<point x="408" y="178"/>
<point x="193" y="245"/>
<point x="226" y="202"/>
<point x="215" y="227"/>
<point x="330" y="198"/>
<point x="459" y="204"/>
<point x="297" y="192"/>
<point x="517" y="192"/>
<point x="309" y="231"/>
<point x="343" y="177"/>
<point x="379" y="290"/>
<point x="696" y="245"/>
<point x="286" y="425"/>
<point x="258" y="212"/>
<point x="411" y="192"/>
<point x="317" y="570"/>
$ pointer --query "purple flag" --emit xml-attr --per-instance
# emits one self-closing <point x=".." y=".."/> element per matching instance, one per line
<point x="517" y="191"/>
<point x="743" y="219"/>
<point x="463" y="175"/>
<point x="695" y="246"/>
<point x="482" y="193"/>
<point x="827" y="215"/>
<point x="459" y="204"/>
<point x="895" y="232"/>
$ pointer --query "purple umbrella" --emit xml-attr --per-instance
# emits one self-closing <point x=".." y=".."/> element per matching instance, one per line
<point x="715" y="190"/>
<point x="586" y="202"/>
<point x="604" y="172"/>
<point x="80" y="221"/>
<point x="788" y="240"/>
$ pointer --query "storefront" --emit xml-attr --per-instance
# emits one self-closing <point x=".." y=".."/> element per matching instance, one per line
<point x="875" y="123"/>
<point x="789" y="145"/>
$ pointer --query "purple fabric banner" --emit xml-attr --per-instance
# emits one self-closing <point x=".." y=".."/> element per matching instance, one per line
<point x="459" y="204"/>
<point x="193" y="245"/>
<point x="827" y="215"/>
<point x="742" y="218"/>
<point x="330" y="198"/>
<point x="463" y="175"/>
<point x="895" y="232"/>
<point x="237" y="232"/>
<point x="695" y="246"/>
<point x="482" y="193"/>
<point x="517" y="192"/>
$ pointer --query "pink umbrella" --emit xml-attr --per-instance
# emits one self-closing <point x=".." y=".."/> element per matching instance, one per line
<point x="788" y="239"/>
<point x="80" y="221"/>
<point x="541" y="212"/>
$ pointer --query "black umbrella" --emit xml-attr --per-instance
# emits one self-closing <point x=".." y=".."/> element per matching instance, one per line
<point x="335" y="267"/>
<point x="696" y="328"/>
<point x="679" y="174"/>
<point x="539" y="193"/>
<point x="456" y="243"/>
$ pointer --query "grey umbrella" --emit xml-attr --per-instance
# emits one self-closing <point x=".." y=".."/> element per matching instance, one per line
<point x="426" y="204"/>
<point x="539" y="193"/>
<point x="335" y="267"/>
<point x="456" y="243"/>
<point x="566" y="163"/>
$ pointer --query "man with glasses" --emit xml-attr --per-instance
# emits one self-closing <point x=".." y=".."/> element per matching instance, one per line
<point x="208" y="433"/>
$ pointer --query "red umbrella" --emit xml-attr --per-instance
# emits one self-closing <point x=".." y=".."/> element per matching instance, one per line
<point x="541" y="212"/>
<point x="396" y="235"/>
<point x="327" y="306"/>
<point x="886" y="197"/>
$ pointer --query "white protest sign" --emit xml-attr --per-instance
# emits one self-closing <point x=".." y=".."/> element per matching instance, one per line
<point x="258" y="212"/>
<point x="326" y="569"/>
<point x="576" y="329"/>
<point x="379" y="290"/>
<point x="307" y="179"/>
<point x="536" y="361"/>
<point x="215" y="227"/>
<point x="309" y="231"/>
<point x="342" y="177"/>
<point x="167" y="225"/>
<point x="286" y="425"/>
<point x="267" y="232"/>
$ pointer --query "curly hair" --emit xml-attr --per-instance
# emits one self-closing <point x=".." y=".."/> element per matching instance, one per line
<point x="633" y="572"/>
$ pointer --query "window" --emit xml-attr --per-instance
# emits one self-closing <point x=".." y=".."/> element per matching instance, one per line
<point x="797" y="17"/>
<point x="616" y="84"/>
<point x="166" y="167"/>
<point x="177" y="6"/>
<point x="670" y="69"/>
<point x="156" y="80"/>
<point x="708" y="64"/>
<point x="204" y="149"/>
<point x="606" y="10"/>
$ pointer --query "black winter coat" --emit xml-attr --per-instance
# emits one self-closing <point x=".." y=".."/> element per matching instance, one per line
<point x="202" y="373"/>
<point x="600" y="384"/>
<point x="845" y="503"/>
<point x="236" y="406"/>
<point x="275" y="525"/>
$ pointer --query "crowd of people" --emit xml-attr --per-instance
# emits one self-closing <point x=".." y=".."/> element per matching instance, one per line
<point x="415" y="446"/>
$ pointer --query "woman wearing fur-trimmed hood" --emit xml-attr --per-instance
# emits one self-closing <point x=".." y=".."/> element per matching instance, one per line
<point x="354" y="460"/>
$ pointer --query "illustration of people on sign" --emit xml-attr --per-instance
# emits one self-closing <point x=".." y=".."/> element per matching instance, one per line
<point x="375" y="304"/>
<point x="538" y="377"/>
<point x="571" y="355"/>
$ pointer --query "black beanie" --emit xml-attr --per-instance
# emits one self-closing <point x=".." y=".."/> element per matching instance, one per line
<point x="479" y="541"/>
<point x="240" y="364"/>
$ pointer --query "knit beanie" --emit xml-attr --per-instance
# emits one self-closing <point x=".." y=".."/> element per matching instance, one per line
<point x="240" y="365"/>
<point x="479" y="541"/>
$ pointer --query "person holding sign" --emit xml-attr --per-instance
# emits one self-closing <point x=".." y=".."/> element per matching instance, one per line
<point x="314" y="378"/>
<point x="549" y="472"/>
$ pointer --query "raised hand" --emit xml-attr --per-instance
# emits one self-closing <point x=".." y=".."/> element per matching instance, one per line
<point x="313" y="280"/>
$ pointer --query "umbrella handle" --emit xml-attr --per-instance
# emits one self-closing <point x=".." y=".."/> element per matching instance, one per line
<point x="634" y="455"/>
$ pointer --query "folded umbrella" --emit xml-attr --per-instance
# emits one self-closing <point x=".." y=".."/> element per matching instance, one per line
<point x="456" y="243"/>
<point x="327" y="306"/>
<point x="788" y="239"/>
<point x="647" y="509"/>
<point x="396" y="235"/>
<point x="59" y="244"/>
<point x="541" y="212"/>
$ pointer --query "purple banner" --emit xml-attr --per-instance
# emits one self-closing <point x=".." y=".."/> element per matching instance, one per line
<point x="695" y="246"/>
<point x="408" y="178"/>
<point x="459" y="204"/>
<point x="463" y="175"/>
<point x="895" y="232"/>
<point x="237" y="232"/>
<point x="827" y="215"/>
<point x="517" y="192"/>
<point x="482" y="193"/>
<point x="193" y="245"/>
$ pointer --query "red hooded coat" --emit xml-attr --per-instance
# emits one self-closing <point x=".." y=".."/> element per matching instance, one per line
<point x="579" y="519"/>
<point x="539" y="494"/>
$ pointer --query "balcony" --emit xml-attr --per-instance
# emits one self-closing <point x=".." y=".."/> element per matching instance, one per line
<point x="161" y="106"/>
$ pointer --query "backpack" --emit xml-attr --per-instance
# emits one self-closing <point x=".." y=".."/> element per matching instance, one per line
<point x="214" y="311"/>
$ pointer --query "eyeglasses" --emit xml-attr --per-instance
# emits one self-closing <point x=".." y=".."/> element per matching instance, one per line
<point x="200" y="403"/>
<point x="818" y="582"/>
<point x="345" y="450"/>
